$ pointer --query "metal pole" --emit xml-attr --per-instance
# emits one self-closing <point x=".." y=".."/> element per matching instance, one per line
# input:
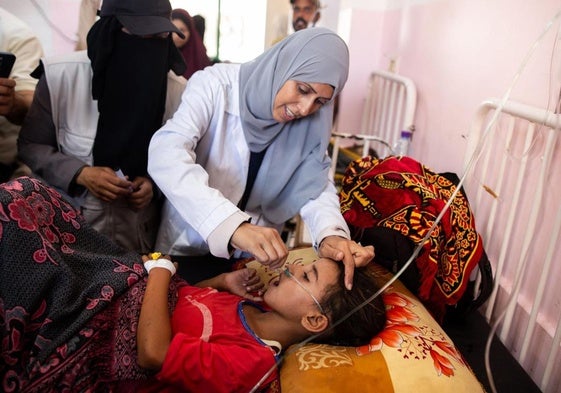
<point x="218" y="32"/>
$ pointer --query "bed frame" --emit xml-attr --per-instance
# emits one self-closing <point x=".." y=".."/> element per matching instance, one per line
<point x="513" y="169"/>
<point x="389" y="108"/>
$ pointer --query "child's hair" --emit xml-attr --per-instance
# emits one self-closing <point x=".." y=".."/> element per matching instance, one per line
<point x="363" y="324"/>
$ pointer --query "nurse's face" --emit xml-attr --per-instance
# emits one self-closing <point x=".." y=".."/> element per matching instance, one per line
<point x="297" y="99"/>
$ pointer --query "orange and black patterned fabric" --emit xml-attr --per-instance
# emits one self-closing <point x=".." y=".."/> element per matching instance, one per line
<point x="404" y="195"/>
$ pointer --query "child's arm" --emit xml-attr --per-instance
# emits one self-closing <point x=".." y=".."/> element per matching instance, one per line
<point x="154" y="326"/>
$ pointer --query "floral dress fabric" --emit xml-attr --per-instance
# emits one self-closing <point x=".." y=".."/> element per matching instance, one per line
<point x="68" y="297"/>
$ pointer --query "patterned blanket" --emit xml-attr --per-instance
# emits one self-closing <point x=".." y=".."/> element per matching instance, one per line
<point x="402" y="194"/>
<point x="67" y="296"/>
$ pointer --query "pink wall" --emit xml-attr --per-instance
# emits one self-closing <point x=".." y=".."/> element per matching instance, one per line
<point x="458" y="52"/>
<point x="364" y="56"/>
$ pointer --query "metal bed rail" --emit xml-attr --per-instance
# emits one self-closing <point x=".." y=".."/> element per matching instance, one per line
<point x="389" y="108"/>
<point x="515" y="194"/>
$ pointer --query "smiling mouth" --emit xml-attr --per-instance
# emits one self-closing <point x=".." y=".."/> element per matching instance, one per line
<point x="289" y="115"/>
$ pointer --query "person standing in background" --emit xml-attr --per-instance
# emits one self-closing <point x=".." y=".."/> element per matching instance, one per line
<point x="191" y="47"/>
<point x="200" y="25"/>
<point x="16" y="91"/>
<point x="305" y="13"/>
<point x="93" y="114"/>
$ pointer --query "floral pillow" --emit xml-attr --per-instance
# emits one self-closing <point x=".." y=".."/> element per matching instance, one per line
<point x="411" y="354"/>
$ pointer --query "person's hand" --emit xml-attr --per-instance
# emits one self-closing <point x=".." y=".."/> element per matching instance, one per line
<point x="14" y="104"/>
<point x="104" y="183"/>
<point x="7" y="96"/>
<point x="265" y="244"/>
<point x="142" y="193"/>
<point x="347" y="251"/>
<point x="244" y="282"/>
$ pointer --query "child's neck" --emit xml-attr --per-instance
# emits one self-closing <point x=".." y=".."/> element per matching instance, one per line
<point x="272" y="326"/>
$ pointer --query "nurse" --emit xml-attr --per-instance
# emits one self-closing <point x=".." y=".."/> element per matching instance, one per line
<point x="247" y="150"/>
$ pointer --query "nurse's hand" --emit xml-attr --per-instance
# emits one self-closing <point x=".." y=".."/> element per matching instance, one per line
<point x="351" y="253"/>
<point x="265" y="244"/>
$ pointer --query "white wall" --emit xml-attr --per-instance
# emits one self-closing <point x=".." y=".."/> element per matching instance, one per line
<point x="54" y="22"/>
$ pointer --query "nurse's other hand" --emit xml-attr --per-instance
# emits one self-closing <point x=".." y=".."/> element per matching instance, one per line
<point x="265" y="244"/>
<point x="350" y="253"/>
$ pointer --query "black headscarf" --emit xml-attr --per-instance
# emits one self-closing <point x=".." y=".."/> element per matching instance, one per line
<point x="130" y="84"/>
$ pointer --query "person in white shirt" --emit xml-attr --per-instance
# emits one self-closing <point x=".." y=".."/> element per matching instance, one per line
<point x="305" y="13"/>
<point x="16" y="89"/>
<point x="247" y="150"/>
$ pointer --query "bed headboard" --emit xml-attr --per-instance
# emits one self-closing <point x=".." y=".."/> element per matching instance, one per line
<point x="389" y="108"/>
<point x="515" y="192"/>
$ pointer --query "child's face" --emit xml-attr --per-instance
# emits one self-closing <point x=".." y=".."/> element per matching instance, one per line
<point x="296" y="99"/>
<point x="293" y="296"/>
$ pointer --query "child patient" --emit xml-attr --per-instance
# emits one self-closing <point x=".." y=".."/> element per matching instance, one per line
<point x="79" y="312"/>
<point x="215" y="333"/>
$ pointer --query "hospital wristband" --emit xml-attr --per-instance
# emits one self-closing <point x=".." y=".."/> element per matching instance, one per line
<point x="163" y="263"/>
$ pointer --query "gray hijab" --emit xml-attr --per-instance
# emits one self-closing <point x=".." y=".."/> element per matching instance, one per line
<point x="295" y="168"/>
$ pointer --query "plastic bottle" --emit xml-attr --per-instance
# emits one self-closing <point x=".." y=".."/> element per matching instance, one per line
<point x="402" y="146"/>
